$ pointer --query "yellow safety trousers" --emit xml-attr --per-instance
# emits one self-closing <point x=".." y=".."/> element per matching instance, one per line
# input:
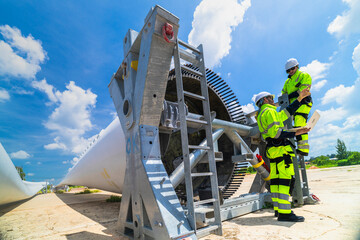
<point x="281" y="175"/>
<point x="300" y="121"/>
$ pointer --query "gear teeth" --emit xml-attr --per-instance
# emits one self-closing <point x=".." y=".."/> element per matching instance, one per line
<point x="234" y="109"/>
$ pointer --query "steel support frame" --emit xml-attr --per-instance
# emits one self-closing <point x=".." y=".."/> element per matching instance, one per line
<point x="300" y="194"/>
<point x="150" y="208"/>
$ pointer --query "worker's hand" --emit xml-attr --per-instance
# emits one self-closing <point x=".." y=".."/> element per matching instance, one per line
<point x="302" y="131"/>
<point x="304" y="93"/>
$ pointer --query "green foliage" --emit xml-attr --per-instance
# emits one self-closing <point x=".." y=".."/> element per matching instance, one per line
<point x="321" y="160"/>
<point x="268" y="205"/>
<point x="87" y="191"/>
<point x="354" y="158"/>
<point x="250" y="170"/>
<point x="75" y="186"/>
<point x="324" y="161"/>
<point x="341" y="151"/>
<point x="342" y="162"/>
<point x="114" y="198"/>
<point x="21" y="173"/>
<point x="60" y="191"/>
<point x="42" y="191"/>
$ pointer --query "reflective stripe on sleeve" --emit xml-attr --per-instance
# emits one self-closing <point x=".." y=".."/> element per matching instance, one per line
<point x="303" y="147"/>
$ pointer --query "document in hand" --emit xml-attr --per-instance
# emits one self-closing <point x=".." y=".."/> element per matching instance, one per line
<point x="310" y="124"/>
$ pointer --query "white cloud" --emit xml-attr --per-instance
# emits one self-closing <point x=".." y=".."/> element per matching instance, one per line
<point x="348" y="22"/>
<point x="332" y="115"/>
<point x="39" y="163"/>
<point x="352" y="122"/>
<point x="56" y="145"/>
<point x="75" y="160"/>
<point x="20" y="155"/>
<point x="213" y="23"/>
<point x="317" y="86"/>
<point x="65" y="162"/>
<point x="4" y="95"/>
<point x="28" y="163"/>
<point x="21" y="91"/>
<point x="339" y="94"/>
<point x="248" y="108"/>
<point x="19" y="56"/>
<point x="316" y="69"/>
<point x="30" y="174"/>
<point x="71" y="117"/>
<point x="356" y="58"/>
<point x="341" y="122"/>
<point x="46" y="88"/>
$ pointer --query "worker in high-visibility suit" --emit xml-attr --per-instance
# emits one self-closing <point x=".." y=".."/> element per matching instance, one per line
<point x="279" y="151"/>
<point x="296" y="82"/>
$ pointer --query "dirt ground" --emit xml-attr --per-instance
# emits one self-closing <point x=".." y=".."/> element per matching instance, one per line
<point x="89" y="216"/>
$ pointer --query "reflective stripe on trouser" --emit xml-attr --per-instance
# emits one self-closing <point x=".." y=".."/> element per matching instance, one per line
<point x="281" y="172"/>
<point x="300" y="121"/>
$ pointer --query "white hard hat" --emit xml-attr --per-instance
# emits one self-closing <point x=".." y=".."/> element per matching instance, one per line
<point x="292" y="62"/>
<point x="261" y="95"/>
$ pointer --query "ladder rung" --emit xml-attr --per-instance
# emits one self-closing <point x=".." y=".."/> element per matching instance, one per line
<point x="192" y="48"/>
<point x="190" y="70"/>
<point x="202" y="174"/>
<point x="202" y="232"/>
<point x="199" y="147"/>
<point x="193" y="95"/>
<point x="196" y="120"/>
<point x="187" y="56"/>
<point x="210" y="200"/>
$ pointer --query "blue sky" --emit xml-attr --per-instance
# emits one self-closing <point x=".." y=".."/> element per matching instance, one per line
<point x="57" y="58"/>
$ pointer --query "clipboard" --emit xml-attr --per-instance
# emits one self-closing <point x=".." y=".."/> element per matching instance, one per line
<point x="310" y="124"/>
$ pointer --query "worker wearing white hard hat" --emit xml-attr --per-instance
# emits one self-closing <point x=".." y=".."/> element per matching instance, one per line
<point x="296" y="82"/>
<point x="279" y="151"/>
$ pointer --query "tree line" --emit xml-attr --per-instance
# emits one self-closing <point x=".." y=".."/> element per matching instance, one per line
<point x="343" y="157"/>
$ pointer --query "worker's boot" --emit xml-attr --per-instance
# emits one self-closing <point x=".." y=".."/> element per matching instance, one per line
<point x="276" y="213"/>
<point x="290" y="217"/>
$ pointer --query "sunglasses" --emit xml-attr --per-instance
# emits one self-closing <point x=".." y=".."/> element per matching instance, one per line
<point x="290" y="69"/>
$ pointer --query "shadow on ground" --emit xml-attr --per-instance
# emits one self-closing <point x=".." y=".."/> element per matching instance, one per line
<point x="260" y="220"/>
<point x="94" y="207"/>
<point x="10" y="206"/>
<point x="88" y="236"/>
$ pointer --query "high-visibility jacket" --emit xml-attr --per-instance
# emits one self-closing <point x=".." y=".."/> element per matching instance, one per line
<point x="271" y="122"/>
<point x="298" y="81"/>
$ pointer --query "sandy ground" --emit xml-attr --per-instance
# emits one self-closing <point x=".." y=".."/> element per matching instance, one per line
<point x="89" y="216"/>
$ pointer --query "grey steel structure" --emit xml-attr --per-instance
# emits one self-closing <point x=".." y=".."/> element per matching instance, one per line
<point x="163" y="116"/>
<point x="301" y="194"/>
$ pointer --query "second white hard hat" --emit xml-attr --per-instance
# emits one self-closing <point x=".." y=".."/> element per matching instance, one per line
<point x="292" y="62"/>
<point x="261" y="95"/>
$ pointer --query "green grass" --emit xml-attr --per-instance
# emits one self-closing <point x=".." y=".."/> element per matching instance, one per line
<point x="114" y="198"/>
<point x="250" y="170"/>
<point x="75" y="186"/>
<point x="60" y="191"/>
<point x="268" y="205"/>
<point x="88" y="191"/>
<point x="40" y="192"/>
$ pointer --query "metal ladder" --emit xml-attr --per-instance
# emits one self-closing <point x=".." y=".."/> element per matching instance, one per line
<point x="196" y="57"/>
<point x="301" y="192"/>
